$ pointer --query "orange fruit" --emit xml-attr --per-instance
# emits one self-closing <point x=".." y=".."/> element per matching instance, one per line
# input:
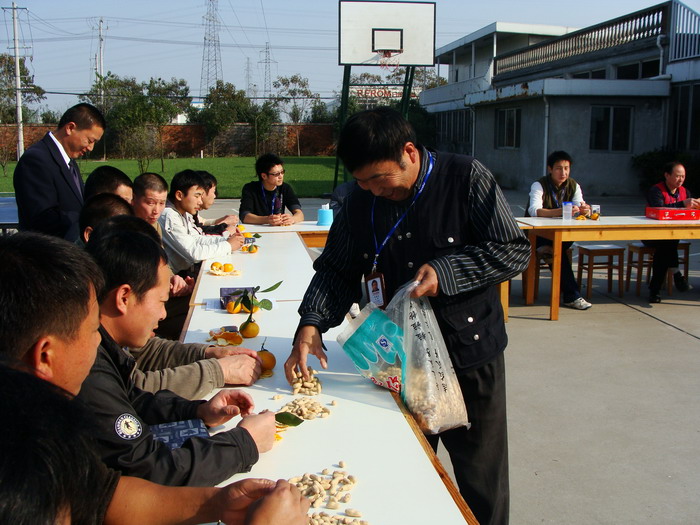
<point x="232" y="307"/>
<point x="248" y="235"/>
<point x="233" y="338"/>
<point x="268" y="359"/>
<point x="246" y="310"/>
<point x="216" y="266"/>
<point x="228" y="267"/>
<point x="240" y="227"/>
<point x="244" y="248"/>
<point x="253" y="248"/>
<point x="250" y="329"/>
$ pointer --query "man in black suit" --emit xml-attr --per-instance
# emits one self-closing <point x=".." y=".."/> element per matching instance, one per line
<point x="48" y="185"/>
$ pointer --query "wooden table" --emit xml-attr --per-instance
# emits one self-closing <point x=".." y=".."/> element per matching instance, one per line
<point x="604" y="230"/>
<point x="400" y="480"/>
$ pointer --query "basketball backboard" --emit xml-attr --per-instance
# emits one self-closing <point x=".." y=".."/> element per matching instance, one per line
<point x="370" y="32"/>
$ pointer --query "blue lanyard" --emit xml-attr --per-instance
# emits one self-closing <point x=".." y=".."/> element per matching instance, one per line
<point x="378" y="248"/>
<point x="275" y="196"/>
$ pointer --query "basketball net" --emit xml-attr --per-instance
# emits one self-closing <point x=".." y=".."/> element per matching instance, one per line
<point x="390" y="60"/>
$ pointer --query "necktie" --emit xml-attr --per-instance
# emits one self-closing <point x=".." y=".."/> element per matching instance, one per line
<point x="76" y="176"/>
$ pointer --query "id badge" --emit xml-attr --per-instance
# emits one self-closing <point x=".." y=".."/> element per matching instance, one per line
<point x="376" y="293"/>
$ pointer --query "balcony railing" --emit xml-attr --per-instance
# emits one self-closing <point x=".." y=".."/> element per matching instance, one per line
<point x="641" y="25"/>
<point x="685" y="33"/>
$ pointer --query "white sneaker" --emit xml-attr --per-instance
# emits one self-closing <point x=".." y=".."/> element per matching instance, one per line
<point x="579" y="304"/>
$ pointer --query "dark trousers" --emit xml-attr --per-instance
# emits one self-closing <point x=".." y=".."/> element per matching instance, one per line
<point x="665" y="257"/>
<point x="567" y="282"/>
<point x="480" y="454"/>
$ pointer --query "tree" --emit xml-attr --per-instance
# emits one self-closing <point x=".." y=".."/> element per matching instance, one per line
<point x="223" y="106"/>
<point x="295" y="100"/>
<point x="261" y="119"/>
<point x="49" y="116"/>
<point x="111" y="90"/>
<point x="31" y="93"/>
<point x="423" y="78"/>
<point x="136" y="112"/>
<point x="321" y="113"/>
<point x="165" y="100"/>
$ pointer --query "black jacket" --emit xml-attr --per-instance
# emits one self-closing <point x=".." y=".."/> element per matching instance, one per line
<point x="48" y="200"/>
<point x="124" y="413"/>
<point x="460" y="224"/>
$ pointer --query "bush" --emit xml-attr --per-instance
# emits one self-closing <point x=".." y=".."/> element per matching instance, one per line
<point x="650" y="166"/>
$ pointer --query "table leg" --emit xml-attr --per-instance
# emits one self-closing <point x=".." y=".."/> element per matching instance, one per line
<point x="503" y="291"/>
<point x="529" y="274"/>
<point x="556" y="277"/>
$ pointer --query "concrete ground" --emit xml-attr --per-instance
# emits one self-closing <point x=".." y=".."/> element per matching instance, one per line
<point x="604" y="404"/>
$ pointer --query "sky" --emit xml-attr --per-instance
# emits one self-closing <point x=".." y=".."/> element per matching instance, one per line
<point x="159" y="38"/>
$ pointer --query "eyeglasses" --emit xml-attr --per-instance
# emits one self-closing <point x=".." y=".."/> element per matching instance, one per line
<point x="278" y="174"/>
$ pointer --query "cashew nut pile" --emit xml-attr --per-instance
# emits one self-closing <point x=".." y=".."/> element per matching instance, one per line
<point x="425" y="403"/>
<point x="311" y="387"/>
<point x="385" y="373"/>
<point x="306" y="408"/>
<point x="333" y="490"/>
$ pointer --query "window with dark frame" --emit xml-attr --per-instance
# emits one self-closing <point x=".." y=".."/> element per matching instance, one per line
<point x="508" y="128"/>
<point x="611" y="128"/>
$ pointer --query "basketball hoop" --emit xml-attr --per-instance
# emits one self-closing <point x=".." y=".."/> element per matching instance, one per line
<point x="390" y="60"/>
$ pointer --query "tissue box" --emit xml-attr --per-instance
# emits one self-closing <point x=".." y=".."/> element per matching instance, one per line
<point x="325" y="217"/>
<point x="673" y="214"/>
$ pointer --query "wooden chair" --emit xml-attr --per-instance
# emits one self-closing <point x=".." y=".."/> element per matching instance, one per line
<point x="587" y="261"/>
<point x="644" y="259"/>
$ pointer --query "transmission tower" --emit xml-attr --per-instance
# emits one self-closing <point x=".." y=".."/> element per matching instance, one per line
<point x="248" y="80"/>
<point x="211" y="58"/>
<point x="267" y="60"/>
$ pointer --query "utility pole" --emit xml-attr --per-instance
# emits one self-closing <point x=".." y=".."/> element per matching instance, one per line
<point x="101" y="61"/>
<point x="18" y="84"/>
<point x="101" y="74"/>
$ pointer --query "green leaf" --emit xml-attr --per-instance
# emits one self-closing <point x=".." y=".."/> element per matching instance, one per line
<point x="247" y="302"/>
<point x="289" y="419"/>
<point x="273" y="287"/>
<point x="257" y="235"/>
<point x="265" y="304"/>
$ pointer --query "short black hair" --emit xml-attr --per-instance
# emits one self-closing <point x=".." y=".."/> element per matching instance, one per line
<point x="668" y="167"/>
<point x="101" y="207"/>
<point x="48" y="466"/>
<point x="84" y="115"/>
<point x="266" y="162"/>
<point x="129" y="223"/>
<point x="105" y="179"/>
<point x="183" y="181"/>
<point x="45" y="286"/>
<point x="149" y="181"/>
<point x="557" y="156"/>
<point x="126" y="257"/>
<point x="208" y="179"/>
<point x="374" y="135"/>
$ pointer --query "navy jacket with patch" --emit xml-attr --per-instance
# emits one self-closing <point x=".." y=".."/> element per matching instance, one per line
<point x="124" y="412"/>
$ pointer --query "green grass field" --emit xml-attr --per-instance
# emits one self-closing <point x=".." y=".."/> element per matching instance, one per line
<point x="309" y="176"/>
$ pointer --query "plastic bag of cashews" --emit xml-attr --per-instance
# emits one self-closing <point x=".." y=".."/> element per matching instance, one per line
<point x="374" y="344"/>
<point x="429" y="385"/>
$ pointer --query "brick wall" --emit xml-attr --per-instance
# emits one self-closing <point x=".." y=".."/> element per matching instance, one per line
<point x="187" y="140"/>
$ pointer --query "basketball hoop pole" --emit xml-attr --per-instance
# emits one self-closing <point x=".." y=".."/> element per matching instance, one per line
<point x="344" y="101"/>
<point x="407" y="89"/>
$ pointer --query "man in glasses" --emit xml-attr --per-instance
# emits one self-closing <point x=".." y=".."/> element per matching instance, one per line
<point x="263" y="201"/>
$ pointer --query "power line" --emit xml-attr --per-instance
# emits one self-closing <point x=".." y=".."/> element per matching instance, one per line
<point x="187" y="43"/>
